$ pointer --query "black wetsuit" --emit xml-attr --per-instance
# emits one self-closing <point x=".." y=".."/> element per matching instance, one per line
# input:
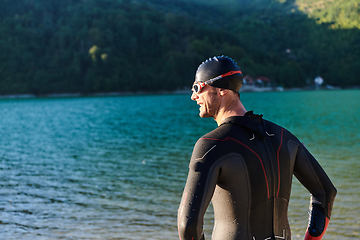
<point x="245" y="168"/>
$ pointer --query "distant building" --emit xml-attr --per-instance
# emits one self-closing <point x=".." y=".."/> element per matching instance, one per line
<point x="263" y="81"/>
<point x="261" y="84"/>
<point x="247" y="80"/>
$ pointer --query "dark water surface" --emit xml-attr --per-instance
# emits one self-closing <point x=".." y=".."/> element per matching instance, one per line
<point x="115" y="167"/>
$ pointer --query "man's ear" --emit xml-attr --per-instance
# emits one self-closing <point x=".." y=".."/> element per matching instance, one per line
<point x="223" y="91"/>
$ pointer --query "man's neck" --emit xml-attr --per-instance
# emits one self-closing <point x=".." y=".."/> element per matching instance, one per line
<point x="234" y="108"/>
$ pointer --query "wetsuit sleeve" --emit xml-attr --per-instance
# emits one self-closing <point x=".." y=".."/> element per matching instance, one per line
<point x="311" y="175"/>
<point x="198" y="191"/>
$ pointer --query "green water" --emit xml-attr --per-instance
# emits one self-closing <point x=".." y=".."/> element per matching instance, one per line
<point x="115" y="167"/>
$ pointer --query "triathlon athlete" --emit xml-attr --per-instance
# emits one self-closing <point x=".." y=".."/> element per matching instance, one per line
<point x="245" y="168"/>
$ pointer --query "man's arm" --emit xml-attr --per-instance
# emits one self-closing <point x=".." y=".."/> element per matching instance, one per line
<point x="197" y="194"/>
<point x="311" y="175"/>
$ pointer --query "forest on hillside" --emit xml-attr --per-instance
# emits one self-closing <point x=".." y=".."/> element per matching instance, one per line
<point x="90" y="46"/>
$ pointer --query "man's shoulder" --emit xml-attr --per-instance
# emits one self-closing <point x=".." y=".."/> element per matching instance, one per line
<point x="273" y="128"/>
<point x="207" y="141"/>
<point x="271" y="125"/>
<point x="218" y="134"/>
<point x="209" y="137"/>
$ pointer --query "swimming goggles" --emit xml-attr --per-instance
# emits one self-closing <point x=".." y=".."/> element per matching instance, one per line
<point x="197" y="87"/>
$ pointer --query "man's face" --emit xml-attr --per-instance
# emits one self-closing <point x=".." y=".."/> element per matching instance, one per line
<point x="208" y="100"/>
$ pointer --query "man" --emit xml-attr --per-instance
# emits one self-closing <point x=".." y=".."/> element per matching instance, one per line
<point x="245" y="168"/>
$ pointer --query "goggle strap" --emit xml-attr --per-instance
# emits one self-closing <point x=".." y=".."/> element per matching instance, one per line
<point x="222" y="76"/>
<point x="231" y="73"/>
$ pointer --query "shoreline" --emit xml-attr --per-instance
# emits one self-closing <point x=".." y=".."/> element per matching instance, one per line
<point x="108" y="94"/>
<point x="100" y="94"/>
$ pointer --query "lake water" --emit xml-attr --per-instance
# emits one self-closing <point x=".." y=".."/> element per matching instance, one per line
<point x="115" y="167"/>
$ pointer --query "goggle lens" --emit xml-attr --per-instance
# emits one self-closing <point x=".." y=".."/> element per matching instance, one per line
<point x="196" y="88"/>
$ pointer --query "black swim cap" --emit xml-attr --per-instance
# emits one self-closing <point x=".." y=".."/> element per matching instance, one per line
<point x="217" y="66"/>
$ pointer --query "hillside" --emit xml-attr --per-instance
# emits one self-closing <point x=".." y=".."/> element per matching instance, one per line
<point x="89" y="46"/>
<point x="343" y="14"/>
<point x="298" y="36"/>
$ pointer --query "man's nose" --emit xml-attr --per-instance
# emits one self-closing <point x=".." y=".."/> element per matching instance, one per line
<point x="194" y="96"/>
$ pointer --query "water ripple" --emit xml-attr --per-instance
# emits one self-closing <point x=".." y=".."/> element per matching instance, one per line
<point x="115" y="167"/>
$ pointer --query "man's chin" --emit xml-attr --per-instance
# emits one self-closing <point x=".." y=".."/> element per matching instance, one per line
<point x="204" y="115"/>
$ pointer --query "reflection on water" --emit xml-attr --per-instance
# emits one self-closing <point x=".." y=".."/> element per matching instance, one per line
<point x="115" y="167"/>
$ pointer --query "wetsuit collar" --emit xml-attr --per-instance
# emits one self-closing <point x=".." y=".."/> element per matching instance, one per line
<point x="251" y="121"/>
